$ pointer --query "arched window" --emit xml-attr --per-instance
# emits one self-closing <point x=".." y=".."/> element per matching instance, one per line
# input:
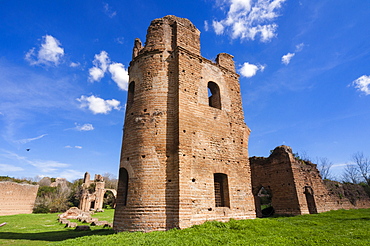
<point x="122" y="186"/>
<point x="214" y="95"/>
<point x="221" y="190"/>
<point x="131" y="93"/>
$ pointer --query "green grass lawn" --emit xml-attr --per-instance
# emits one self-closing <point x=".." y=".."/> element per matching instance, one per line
<point x="342" y="227"/>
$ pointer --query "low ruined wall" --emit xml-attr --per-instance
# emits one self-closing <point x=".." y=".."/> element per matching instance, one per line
<point x="17" y="198"/>
<point x="296" y="186"/>
<point x="346" y="196"/>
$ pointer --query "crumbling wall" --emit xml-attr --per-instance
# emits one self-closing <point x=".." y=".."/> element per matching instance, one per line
<point x="275" y="174"/>
<point x="297" y="187"/>
<point x="346" y="195"/>
<point x="93" y="191"/>
<point x="17" y="198"/>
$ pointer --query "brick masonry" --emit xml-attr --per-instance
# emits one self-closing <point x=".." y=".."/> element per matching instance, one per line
<point x="17" y="198"/>
<point x="177" y="139"/>
<point x="184" y="157"/>
<point x="295" y="185"/>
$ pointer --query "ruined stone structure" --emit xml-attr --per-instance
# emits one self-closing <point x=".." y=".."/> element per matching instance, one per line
<point x="296" y="186"/>
<point x="59" y="182"/>
<point x="93" y="193"/>
<point x="17" y="198"/>
<point x="184" y="156"/>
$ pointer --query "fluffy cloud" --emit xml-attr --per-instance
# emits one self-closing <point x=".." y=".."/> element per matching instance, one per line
<point x="84" y="127"/>
<point x="50" y="52"/>
<point x="219" y="27"/>
<point x="249" y="70"/>
<point x="119" y="75"/>
<point x="102" y="64"/>
<point x="286" y="58"/>
<point x="98" y="105"/>
<point x="362" y="84"/>
<point x="247" y="19"/>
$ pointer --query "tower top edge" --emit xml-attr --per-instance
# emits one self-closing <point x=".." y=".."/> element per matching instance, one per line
<point x="170" y="19"/>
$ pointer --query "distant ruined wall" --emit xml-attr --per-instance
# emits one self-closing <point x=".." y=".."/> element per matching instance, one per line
<point x="296" y="186"/>
<point x="17" y="198"/>
<point x="92" y="197"/>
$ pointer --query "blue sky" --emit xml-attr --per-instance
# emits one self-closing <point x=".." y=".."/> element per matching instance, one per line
<point x="304" y="65"/>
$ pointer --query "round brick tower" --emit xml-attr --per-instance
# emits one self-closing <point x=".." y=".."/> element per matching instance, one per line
<point x="184" y="156"/>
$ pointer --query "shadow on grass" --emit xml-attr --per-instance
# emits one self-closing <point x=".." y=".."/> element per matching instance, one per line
<point x="54" y="235"/>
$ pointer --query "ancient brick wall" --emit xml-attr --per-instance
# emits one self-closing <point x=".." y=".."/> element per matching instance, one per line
<point x="17" y="198"/>
<point x="184" y="156"/>
<point x="296" y="186"/>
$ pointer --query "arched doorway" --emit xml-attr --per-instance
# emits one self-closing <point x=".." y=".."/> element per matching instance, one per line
<point x="109" y="200"/>
<point x="263" y="201"/>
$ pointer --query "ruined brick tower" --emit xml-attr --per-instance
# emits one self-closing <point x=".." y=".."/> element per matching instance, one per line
<point x="184" y="156"/>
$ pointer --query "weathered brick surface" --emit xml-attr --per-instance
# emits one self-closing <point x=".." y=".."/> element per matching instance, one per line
<point x="184" y="157"/>
<point x="17" y="198"/>
<point x="174" y="141"/>
<point x="295" y="185"/>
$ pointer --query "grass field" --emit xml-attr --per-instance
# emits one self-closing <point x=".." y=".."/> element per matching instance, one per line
<point x="342" y="227"/>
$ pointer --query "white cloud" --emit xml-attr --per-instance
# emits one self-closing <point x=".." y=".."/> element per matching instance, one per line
<point x="119" y="75"/>
<point x="362" y="84"/>
<point x="74" y="64"/>
<point x="27" y="140"/>
<point x="108" y="11"/>
<point x="43" y="165"/>
<point x="70" y="147"/>
<point x="206" y="26"/>
<point x="70" y="174"/>
<point x="299" y="47"/>
<point x="4" y="168"/>
<point x="286" y="58"/>
<point x="120" y="40"/>
<point x="47" y="166"/>
<point x="247" y="18"/>
<point x="84" y="127"/>
<point x="50" y="52"/>
<point x="249" y="70"/>
<point x="101" y="62"/>
<point x="98" y="105"/>
<point x="218" y="26"/>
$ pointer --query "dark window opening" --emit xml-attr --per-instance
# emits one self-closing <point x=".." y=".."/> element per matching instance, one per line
<point x="214" y="95"/>
<point x="131" y="94"/>
<point x="221" y="190"/>
<point x="122" y="186"/>
<point x="311" y="204"/>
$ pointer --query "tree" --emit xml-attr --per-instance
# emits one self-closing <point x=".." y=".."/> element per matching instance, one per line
<point x="324" y="166"/>
<point x="351" y="174"/>
<point x="363" y="166"/>
<point x="111" y="182"/>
